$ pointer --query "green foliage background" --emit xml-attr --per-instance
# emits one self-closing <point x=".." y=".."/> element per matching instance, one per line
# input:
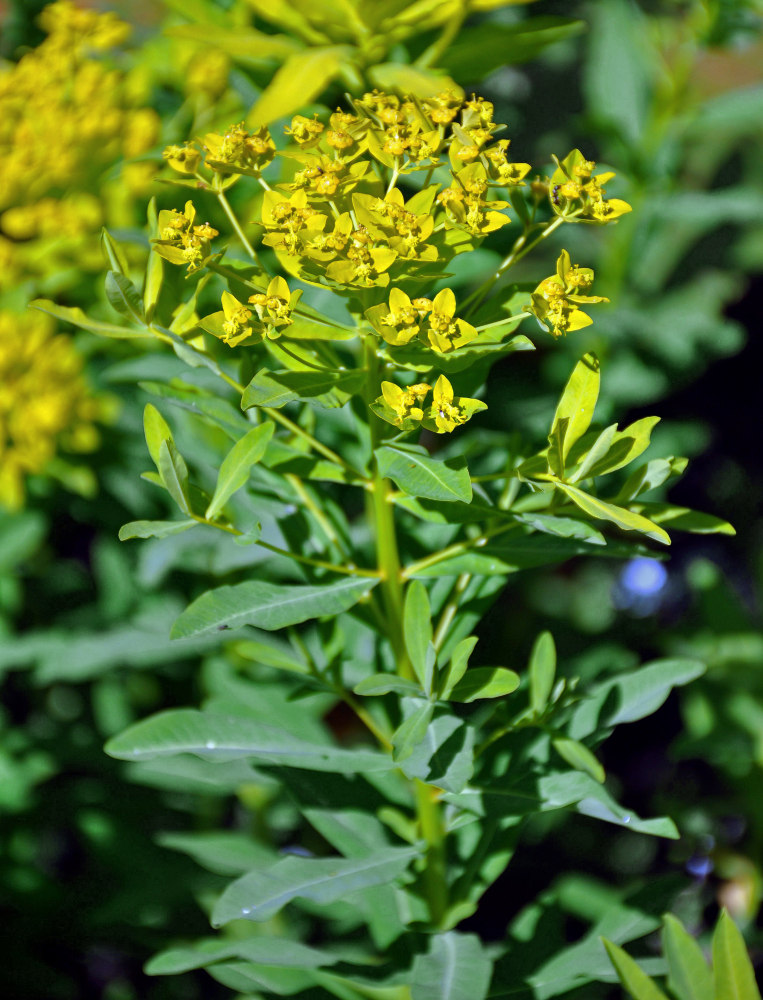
<point x="662" y="92"/>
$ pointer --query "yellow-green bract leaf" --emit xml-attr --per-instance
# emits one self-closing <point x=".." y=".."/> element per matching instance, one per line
<point x="411" y="80"/>
<point x="153" y="529"/>
<point x="174" y="473"/>
<point x="417" y="629"/>
<point x="156" y="429"/>
<point x="575" y="411"/>
<point x="421" y="476"/>
<point x="234" y="471"/>
<point x="580" y="757"/>
<point x="260" y="894"/>
<point x="456" y="967"/>
<point x="732" y="970"/>
<point x="268" y="605"/>
<point x="301" y="79"/>
<point x="76" y="317"/>
<point x="485" y="682"/>
<point x="689" y="977"/>
<point x="623" y="518"/>
<point x="154" y="277"/>
<point x="636" y="982"/>
<point x="542" y="669"/>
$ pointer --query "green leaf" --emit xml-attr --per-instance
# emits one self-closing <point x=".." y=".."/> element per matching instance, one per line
<point x="78" y="318"/>
<point x="249" y="45"/>
<point x="268" y="605"/>
<point x="623" y="518"/>
<point x="633" y="696"/>
<point x="264" y="950"/>
<point x="276" y="389"/>
<point x="492" y="45"/>
<point x="153" y="529"/>
<point x="234" y="472"/>
<point x="626" y="445"/>
<point x="689" y="977"/>
<point x="733" y="973"/>
<point x="443" y="753"/>
<point x="636" y="982"/>
<point x="542" y="669"/>
<point x="299" y="81"/>
<point x="485" y="682"/>
<point x="685" y="519"/>
<point x="417" y="630"/>
<point x="261" y="894"/>
<point x="174" y="473"/>
<point x="219" y="737"/>
<point x="114" y="252"/>
<point x="575" y="411"/>
<point x="156" y="430"/>
<point x="396" y="76"/>
<point x="456" y="669"/>
<point x="378" y="684"/>
<point x="124" y="296"/>
<point x="226" y="852"/>
<point x="279" y="657"/>
<point x="411" y="732"/>
<point x="580" y="757"/>
<point x="154" y="276"/>
<point x="456" y="967"/>
<point x="420" y="476"/>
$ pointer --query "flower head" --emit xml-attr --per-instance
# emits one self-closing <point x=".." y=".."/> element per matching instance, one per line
<point x="555" y="301"/>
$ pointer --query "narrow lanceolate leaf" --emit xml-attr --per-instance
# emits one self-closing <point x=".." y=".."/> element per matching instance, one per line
<point x="174" y="473"/>
<point x="156" y="429"/>
<point x="623" y="518"/>
<point x="580" y="757"/>
<point x="421" y="476"/>
<point x="124" y="296"/>
<point x="456" y="967"/>
<point x="411" y="732"/>
<point x="268" y="605"/>
<point x="636" y="982"/>
<point x="221" y="737"/>
<point x="456" y="669"/>
<point x="732" y="969"/>
<point x="689" y="977"/>
<point x="485" y="682"/>
<point x="260" y="894"/>
<point x="153" y="529"/>
<point x="234" y="471"/>
<point x="542" y="670"/>
<point x="76" y="317"/>
<point x="301" y="78"/>
<point x="378" y="684"/>
<point x="417" y="629"/>
<point x="276" y="389"/>
<point x="265" y="950"/>
<point x="575" y="411"/>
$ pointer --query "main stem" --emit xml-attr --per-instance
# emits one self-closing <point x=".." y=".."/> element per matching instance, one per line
<point x="382" y="515"/>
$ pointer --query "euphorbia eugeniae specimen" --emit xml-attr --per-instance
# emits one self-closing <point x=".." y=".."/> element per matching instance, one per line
<point x="380" y="530"/>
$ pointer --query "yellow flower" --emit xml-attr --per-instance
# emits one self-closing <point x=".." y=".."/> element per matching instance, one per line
<point x="181" y="241"/>
<point x="185" y="159"/>
<point x="444" y="333"/>
<point x="239" y="151"/>
<point x="578" y="195"/>
<point x="45" y="404"/>
<point x="401" y="406"/>
<point x="554" y="302"/>
<point x="448" y="411"/>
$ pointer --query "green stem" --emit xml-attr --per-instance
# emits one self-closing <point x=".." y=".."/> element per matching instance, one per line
<point x="454" y="550"/>
<point x="382" y="514"/>
<point x="236" y="225"/>
<point x="521" y="247"/>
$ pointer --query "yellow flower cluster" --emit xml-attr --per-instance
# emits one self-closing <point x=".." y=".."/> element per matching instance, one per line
<point x="44" y="401"/>
<point x="555" y="301"/>
<point x="338" y="219"/>
<point x="64" y="116"/>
